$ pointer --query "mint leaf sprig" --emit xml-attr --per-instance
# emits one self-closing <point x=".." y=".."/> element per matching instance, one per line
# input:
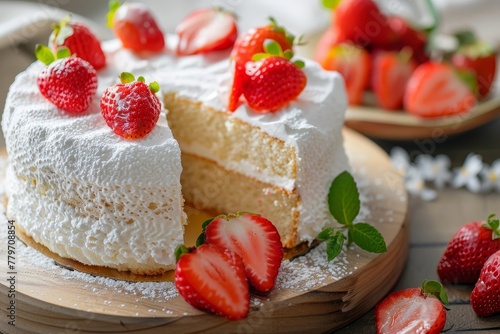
<point x="344" y="205"/>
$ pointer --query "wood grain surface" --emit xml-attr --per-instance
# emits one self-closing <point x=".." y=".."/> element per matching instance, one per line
<point x="47" y="303"/>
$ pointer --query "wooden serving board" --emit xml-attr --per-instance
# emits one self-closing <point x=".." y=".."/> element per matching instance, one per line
<point x="311" y="295"/>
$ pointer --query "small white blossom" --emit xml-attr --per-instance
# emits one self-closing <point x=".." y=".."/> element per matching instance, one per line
<point x="400" y="160"/>
<point x="416" y="185"/>
<point x="491" y="177"/>
<point x="467" y="175"/>
<point x="435" y="169"/>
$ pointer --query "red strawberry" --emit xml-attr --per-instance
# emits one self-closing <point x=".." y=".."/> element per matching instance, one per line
<point x="485" y="298"/>
<point x="328" y="40"/>
<point x="252" y="42"/>
<point x="468" y="250"/>
<point x="406" y="36"/>
<point x="69" y="83"/>
<point x="206" y="30"/>
<point x="413" y="310"/>
<point x="480" y="58"/>
<point x="131" y="108"/>
<point x="390" y="74"/>
<point x="134" y="24"/>
<point x="255" y="239"/>
<point x="213" y="279"/>
<point x="354" y="64"/>
<point x="435" y="90"/>
<point x="239" y="79"/>
<point x="362" y="22"/>
<point x="80" y="41"/>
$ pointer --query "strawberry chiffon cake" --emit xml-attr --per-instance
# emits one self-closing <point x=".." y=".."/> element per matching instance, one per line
<point x="87" y="194"/>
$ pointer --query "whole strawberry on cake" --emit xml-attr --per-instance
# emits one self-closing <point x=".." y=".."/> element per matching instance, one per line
<point x="250" y="128"/>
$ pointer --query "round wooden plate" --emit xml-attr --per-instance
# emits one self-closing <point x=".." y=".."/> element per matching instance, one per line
<point x="400" y="125"/>
<point x="311" y="294"/>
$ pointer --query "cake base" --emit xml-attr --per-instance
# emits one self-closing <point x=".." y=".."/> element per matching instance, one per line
<point x="50" y="299"/>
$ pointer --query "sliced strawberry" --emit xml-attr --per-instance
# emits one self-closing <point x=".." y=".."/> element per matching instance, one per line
<point x="485" y="297"/>
<point x="213" y="279"/>
<point x="252" y="42"/>
<point x="70" y="83"/>
<point x="135" y="26"/>
<point x="390" y="74"/>
<point x="328" y="40"/>
<point x="80" y="41"/>
<point x="468" y="250"/>
<point x="354" y="64"/>
<point x="480" y="58"/>
<point x="362" y="22"/>
<point x="239" y="80"/>
<point x="255" y="239"/>
<point x="413" y="310"/>
<point x="435" y="90"/>
<point x="405" y="36"/>
<point x="206" y="30"/>
<point x="131" y="108"/>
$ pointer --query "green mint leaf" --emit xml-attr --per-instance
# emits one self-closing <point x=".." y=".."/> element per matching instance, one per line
<point x="272" y="47"/>
<point x="343" y="199"/>
<point x="435" y="289"/>
<point x="368" y="238"/>
<point x="334" y="245"/>
<point x="330" y="4"/>
<point x="326" y="234"/>
<point x="44" y="54"/>
<point x="126" y="77"/>
<point x="179" y="251"/>
<point x="154" y="86"/>
<point x="63" y="52"/>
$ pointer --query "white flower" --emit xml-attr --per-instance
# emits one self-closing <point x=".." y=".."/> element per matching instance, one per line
<point x="467" y="175"/>
<point x="415" y="184"/>
<point x="400" y="160"/>
<point x="435" y="169"/>
<point x="491" y="177"/>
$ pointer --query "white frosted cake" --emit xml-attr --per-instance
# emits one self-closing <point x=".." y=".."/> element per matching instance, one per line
<point x="92" y="196"/>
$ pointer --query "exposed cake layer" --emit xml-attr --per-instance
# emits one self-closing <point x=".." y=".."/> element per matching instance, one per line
<point x="84" y="192"/>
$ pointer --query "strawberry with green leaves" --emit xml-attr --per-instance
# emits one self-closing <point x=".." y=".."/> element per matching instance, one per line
<point x="269" y="82"/>
<point x="252" y="42"/>
<point x="485" y="297"/>
<point x="468" y="250"/>
<point x="69" y="82"/>
<point x="436" y="89"/>
<point x="206" y="30"/>
<point x="135" y="26"/>
<point x="254" y="238"/>
<point x="211" y="278"/>
<point x="131" y="108"/>
<point x="80" y="41"/>
<point x="413" y="310"/>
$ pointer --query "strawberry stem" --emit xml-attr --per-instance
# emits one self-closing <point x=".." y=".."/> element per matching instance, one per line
<point x="126" y="77"/>
<point x="113" y="6"/>
<point x="435" y="289"/>
<point x="44" y="54"/>
<point x="179" y="251"/>
<point x="493" y="224"/>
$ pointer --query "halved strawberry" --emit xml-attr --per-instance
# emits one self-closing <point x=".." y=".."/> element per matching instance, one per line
<point x="435" y="89"/>
<point x="80" y="41"/>
<point x="328" y="40"/>
<point x="413" y="310"/>
<point x="255" y="239"/>
<point x="252" y="41"/>
<point x="205" y="30"/>
<point x="135" y="26"/>
<point x="390" y="74"/>
<point x="354" y="64"/>
<point x="213" y="279"/>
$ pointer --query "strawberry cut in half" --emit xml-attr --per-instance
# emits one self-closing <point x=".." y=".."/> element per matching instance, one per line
<point x="131" y="109"/>
<point x="135" y="26"/>
<point x="69" y="82"/>
<point x="485" y="297"/>
<point x="468" y="250"/>
<point x="390" y="74"/>
<point x="327" y="41"/>
<point x="413" y="310"/>
<point x="206" y="30"/>
<point x="435" y="89"/>
<point x="80" y="41"/>
<point x="213" y="279"/>
<point x="354" y="64"/>
<point x="255" y="239"/>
